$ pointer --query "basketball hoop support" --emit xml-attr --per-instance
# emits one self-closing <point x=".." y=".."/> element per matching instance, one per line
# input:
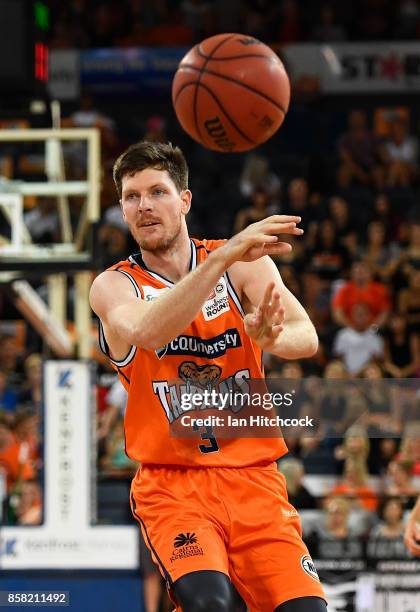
<point x="22" y="250"/>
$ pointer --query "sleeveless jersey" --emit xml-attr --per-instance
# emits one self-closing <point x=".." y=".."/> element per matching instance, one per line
<point x="213" y="350"/>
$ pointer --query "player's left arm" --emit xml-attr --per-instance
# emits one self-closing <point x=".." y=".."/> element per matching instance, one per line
<point x="276" y="320"/>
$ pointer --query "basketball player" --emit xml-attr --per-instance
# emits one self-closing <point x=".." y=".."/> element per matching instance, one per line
<point x="412" y="530"/>
<point x="214" y="512"/>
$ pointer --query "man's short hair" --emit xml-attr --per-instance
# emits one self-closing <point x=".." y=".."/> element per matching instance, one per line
<point x="161" y="156"/>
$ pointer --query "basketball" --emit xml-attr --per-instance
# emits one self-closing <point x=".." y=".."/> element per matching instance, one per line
<point x="231" y="92"/>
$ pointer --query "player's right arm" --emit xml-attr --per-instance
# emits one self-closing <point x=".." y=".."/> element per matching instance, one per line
<point x="129" y="320"/>
<point x="412" y="530"/>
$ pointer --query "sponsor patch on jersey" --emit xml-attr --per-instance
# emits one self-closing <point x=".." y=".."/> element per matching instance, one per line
<point x="309" y="567"/>
<point x="186" y="545"/>
<point x="151" y="293"/>
<point x="202" y="347"/>
<point x="217" y="303"/>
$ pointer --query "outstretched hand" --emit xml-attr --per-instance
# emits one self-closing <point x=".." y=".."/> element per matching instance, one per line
<point x="261" y="238"/>
<point x="266" y="323"/>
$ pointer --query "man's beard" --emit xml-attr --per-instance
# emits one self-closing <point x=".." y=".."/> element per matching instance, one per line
<point x="156" y="244"/>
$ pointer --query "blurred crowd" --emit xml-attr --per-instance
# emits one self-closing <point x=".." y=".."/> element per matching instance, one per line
<point x="133" y="23"/>
<point x="356" y="270"/>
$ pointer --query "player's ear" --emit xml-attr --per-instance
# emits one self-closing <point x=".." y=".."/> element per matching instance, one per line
<point x="186" y="197"/>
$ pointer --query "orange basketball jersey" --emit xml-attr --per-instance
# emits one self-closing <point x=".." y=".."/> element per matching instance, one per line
<point x="213" y="351"/>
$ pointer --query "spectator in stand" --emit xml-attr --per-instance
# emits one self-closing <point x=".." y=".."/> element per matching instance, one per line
<point x="381" y="256"/>
<point x="358" y="344"/>
<point x="42" y="221"/>
<point x="292" y="370"/>
<point x="383" y="451"/>
<point x="13" y="457"/>
<point x="360" y="155"/>
<point x="338" y="407"/>
<point x="402" y="348"/>
<point x="386" y="538"/>
<point x="89" y="116"/>
<point x="361" y="289"/>
<point x="317" y="456"/>
<point x="410" y="446"/>
<point x="356" y="445"/>
<point x="11" y="361"/>
<point x="294" y="473"/>
<point x="327" y="30"/>
<point x="256" y="174"/>
<point x="410" y="257"/>
<point x="344" y="223"/>
<point x="401" y="153"/>
<point x="259" y="209"/>
<point x="381" y="416"/>
<point x="29" y="508"/>
<point x="116" y="401"/>
<point x="354" y="484"/>
<point x="400" y="482"/>
<point x="383" y="212"/>
<point x="8" y="398"/>
<point x="111" y="216"/>
<point x="116" y="463"/>
<point x="31" y="391"/>
<point x="336" y="524"/>
<point x="27" y="433"/>
<point x="299" y="203"/>
<point x="408" y="300"/>
<point x="329" y="257"/>
<point x="85" y="117"/>
<point x="114" y="246"/>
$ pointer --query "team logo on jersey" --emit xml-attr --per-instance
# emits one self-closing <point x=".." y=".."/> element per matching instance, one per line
<point x="309" y="567"/>
<point x="186" y="545"/>
<point x="202" y="347"/>
<point x="185" y="539"/>
<point x="205" y="376"/>
<point x="197" y="379"/>
<point x="217" y="303"/>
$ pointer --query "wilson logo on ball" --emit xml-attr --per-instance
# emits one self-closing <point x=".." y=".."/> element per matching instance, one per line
<point x="217" y="132"/>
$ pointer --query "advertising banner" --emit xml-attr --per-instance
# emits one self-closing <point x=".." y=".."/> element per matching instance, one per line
<point x="146" y="71"/>
<point x="66" y="539"/>
<point x="378" y="67"/>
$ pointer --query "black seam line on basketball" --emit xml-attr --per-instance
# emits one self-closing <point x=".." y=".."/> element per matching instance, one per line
<point x="181" y="89"/>
<point x="229" y="118"/>
<point x="226" y="78"/>
<point x="226" y="58"/>
<point x="219" y="44"/>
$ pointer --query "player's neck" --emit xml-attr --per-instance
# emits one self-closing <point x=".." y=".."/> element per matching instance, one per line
<point x="174" y="262"/>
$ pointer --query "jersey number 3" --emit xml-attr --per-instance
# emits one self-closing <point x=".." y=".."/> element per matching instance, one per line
<point x="207" y="435"/>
